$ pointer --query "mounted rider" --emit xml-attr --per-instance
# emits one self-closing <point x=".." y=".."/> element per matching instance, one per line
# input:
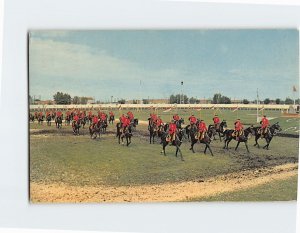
<point x="202" y="129"/>
<point x="95" y="121"/>
<point x="111" y="114"/>
<point x="58" y="114"/>
<point x="130" y="116"/>
<point x="216" y="121"/>
<point x="264" y="126"/>
<point x="76" y="119"/>
<point x="176" y="118"/>
<point x="238" y="129"/>
<point x="172" y="132"/>
<point x="125" y="124"/>
<point x="103" y="117"/>
<point x="122" y="119"/>
<point x="193" y="120"/>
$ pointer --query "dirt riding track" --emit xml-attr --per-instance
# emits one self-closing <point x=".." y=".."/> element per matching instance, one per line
<point x="182" y="191"/>
<point x="67" y="168"/>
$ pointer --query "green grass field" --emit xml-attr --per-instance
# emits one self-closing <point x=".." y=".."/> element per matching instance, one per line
<point x="56" y="156"/>
<point x="284" y="190"/>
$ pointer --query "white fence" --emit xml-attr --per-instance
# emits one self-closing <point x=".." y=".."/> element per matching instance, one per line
<point x="162" y="106"/>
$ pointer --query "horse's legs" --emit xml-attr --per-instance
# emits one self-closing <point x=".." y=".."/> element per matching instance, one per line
<point x="205" y="148"/>
<point x="237" y="145"/>
<point x="192" y="145"/>
<point x="208" y="146"/>
<point x="246" y="144"/>
<point x="256" y="142"/>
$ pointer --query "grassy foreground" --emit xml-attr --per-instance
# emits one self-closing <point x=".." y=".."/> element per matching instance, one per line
<point x="281" y="190"/>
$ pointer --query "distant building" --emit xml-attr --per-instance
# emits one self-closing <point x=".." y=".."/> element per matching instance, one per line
<point x="44" y="102"/>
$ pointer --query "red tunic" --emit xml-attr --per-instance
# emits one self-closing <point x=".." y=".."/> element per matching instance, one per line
<point x="103" y="117"/>
<point x="193" y="119"/>
<point x="58" y="114"/>
<point x="238" y="126"/>
<point x="125" y="122"/>
<point x="216" y="120"/>
<point x="172" y="128"/>
<point x="111" y="113"/>
<point x="202" y="127"/>
<point x="154" y="117"/>
<point x="264" y="122"/>
<point x="76" y="118"/>
<point x="159" y="122"/>
<point x="95" y="120"/>
<point x="176" y="117"/>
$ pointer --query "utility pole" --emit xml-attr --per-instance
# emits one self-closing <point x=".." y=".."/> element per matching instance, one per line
<point x="257" y="120"/>
<point x="181" y="95"/>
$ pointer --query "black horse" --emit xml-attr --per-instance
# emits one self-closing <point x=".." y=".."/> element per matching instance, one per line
<point x="243" y="138"/>
<point x="95" y="130"/>
<point x="134" y="123"/>
<point x="40" y="119"/>
<point x="206" y="140"/>
<point x="58" y="122"/>
<point x="179" y="123"/>
<point x="76" y="127"/>
<point x="111" y="119"/>
<point x="84" y="121"/>
<point x="68" y="120"/>
<point x="177" y="142"/>
<point x="271" y="132"/>
<point x="48" y="119"/>
<point x="31" y="117"/>
<point x="127" y="134"/>
<point x="220" y="129"/>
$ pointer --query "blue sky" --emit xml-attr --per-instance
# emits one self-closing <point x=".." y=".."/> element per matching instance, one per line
<point x="135" y="64"/>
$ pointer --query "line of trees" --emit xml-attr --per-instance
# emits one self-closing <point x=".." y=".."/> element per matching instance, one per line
<point x="175" y="99"/>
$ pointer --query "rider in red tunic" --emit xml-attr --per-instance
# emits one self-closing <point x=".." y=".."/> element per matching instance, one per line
<point x="76" y="119"/>
<point x="176" y="117"/>
<point x="192" y="120"/>
<point x="125" y="123"/>
<point x="130" y="116"/>
<point x="172" y="131"/>
<point x="111" y="113"/>
<point x="103" y="116"/>
<point x="159" y="121"/>
<point x="264" y="125"/>
<point x="216" y="120"/>
<point x="95" y="121"/>
<point x="202" y="129"/>
<point x="238" y="128"/>
<point x="58" y="114"/>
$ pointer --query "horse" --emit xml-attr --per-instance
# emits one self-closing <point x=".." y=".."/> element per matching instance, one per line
<point x="177" y="142"/>
<point x="58" y="122"/>
<point x="220" y="129"/>
<point x="134" y="123"/>
<point x="68" y="120"/>
<point x="243" y="138"/>
<point x="83" y="121"/>
<point x="48" y="119"/>
<point x="206" y="140"/>
<point x="31" y="117"/>
<point x="179" y="123"/>
<point x="111" y="119"/>
<point x="271" y="132"/>
<point x="127" y="134"/>
<point x="40" y="119"/>
<point x="96" y="130"/>
<point x="76" y="127"/>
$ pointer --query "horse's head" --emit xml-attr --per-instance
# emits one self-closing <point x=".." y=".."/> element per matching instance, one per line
<point x="223" y="124"/>
<point x="181" y="121"/>
<point x="276" y="128"/>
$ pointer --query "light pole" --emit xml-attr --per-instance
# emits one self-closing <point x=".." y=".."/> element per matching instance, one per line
<point x="257" y="120"/>
<point x="181" y="95"/>
<point x="111" y="99"/>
